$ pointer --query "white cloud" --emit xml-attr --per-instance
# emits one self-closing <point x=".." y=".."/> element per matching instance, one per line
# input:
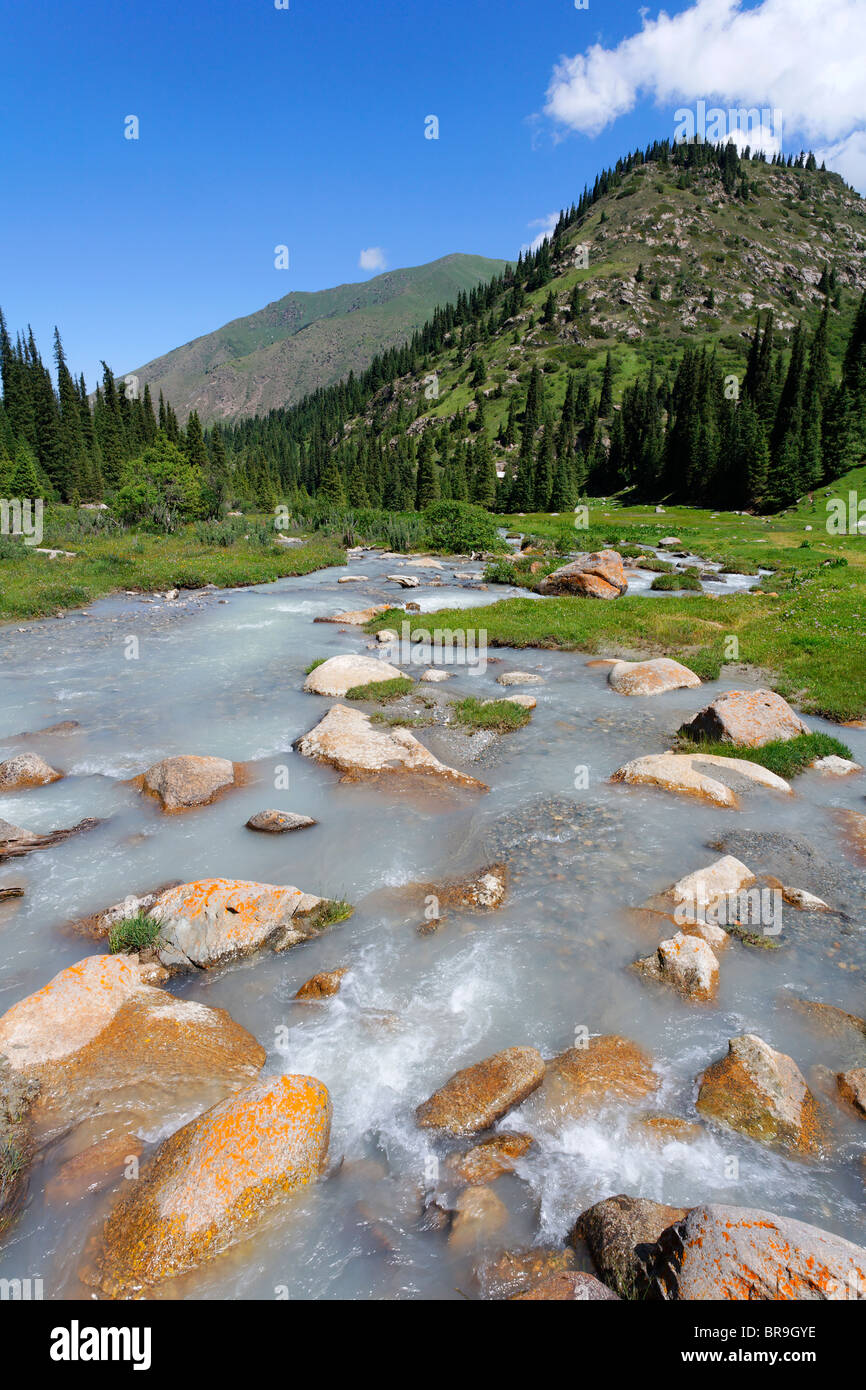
<point x="804" y="57"/>
<point x="848" y="158"/>
<point x="547" y="225"/>
<point x="372" y="259"/>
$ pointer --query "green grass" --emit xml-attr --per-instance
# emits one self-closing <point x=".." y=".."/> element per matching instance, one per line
<point x="500" y="715"/>
<point x="133" y="934"/>
<point x="678" y="582"/>
<point x="785" y="757"/>
<point x="331" y="911"/>
<point x="319" y="661"/>
<point x="382" y="691"/>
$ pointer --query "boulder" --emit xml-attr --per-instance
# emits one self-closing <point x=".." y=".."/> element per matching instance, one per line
<point x="479" y="1215"/>
<point x="835" y="766"/>
<point x="347" y="740"/>
<point x="406" y="581"/>
<point x="687" y="963"/>
<point x="185" y="782"/>
<point x="483" y="891"/>
<point x="218" y="920"/>
<point x="805" y="902"/>
<point x="323" y="985"/>
<point x="608" y="1069"/>
<point x="434" y="675"/>
<point x="279" y="822"/>
<point x="621" y="1233"/>
<point x="524" y="701"/>
<point x="341" y="673"/>
<point x="357" y="617"/>
<point x="519" y="678"/>
<point x="852" y="1088"/>
<point x="15" y="842"/>
<point x="763" y="1094"/>
<point x="571" y="1286"/>
<point x="385" y="636"/>
<point x="599" y="575"/>
<point x="351" y="578"/>
<point x="651" y="677"/>
<point x="107" y="1049"/>
<point x="26" y="770"/>
<point x="98" y="926"/>
<point x="737" y="1253"/>
<point x="697" y="892"/>
<point x="499" y="1276"/>
<point x="749" y="718"/>
<point x="213" y="1182"/>
<point x="474" y="1099"/>
<point x="712" y="778"/>
<point x="488" y="1160"/>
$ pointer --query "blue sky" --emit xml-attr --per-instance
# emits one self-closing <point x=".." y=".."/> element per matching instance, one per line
<point x="305" y="127"/>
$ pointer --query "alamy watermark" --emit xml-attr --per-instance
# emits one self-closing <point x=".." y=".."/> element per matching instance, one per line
<point x="758" y="908"/>
<point x="846" y="517"/>
<point x="441" y="647"/>
<point x="753" y="125"/>
<point x="22" y="516"/>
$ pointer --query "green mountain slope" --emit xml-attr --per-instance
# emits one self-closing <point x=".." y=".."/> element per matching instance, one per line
<point x="306" y="340"/>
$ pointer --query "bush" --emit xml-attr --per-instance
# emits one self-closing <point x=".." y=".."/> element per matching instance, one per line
<point x="457" y="527"/>
<point x="677" y="583"/>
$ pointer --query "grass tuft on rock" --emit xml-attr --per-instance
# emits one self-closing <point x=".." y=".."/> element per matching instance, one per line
<point x="330" y="911"/>
<point x="382" y="691"/>
<point x="319" y="661"/>
<point x="785" y="757"/>
<point x="501" y="716"/>
<point x="133" y="934"/>
<point x="677" y="582"/>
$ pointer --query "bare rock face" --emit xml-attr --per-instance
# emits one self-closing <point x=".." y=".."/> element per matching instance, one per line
<point x="26" y="770"/>
<point x="566" y="1286"/>
<point x="714" y="779"/>
<point x="621" y="1232"/>
<point x="340" y="673"/>
<point x="583" y="1079"/>
<point x="761" y="1093"/>
<point x="214" y="1181"/>
<point x="599" y="575"/>
<point x="279" y="822"/>
<point x="852" y="1088"/>
<point x="737" y="1253"/>
<point x="651" y="677"/>
<point x="216" y="920"/>
<point x="186" y="782"/>
<point x="687" y="963"/>
<point x="749" y="718"/>
<point x="348" y="740"/>
<point x="324" y="985"/>
<point x="475" y="1098"/>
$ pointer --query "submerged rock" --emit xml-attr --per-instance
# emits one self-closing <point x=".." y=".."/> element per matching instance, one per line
<point x="608" y="1069"/>
<point x="651" y="677"/>
<point x="763" y="1094"/>
<point x="217" y="920"/>
<point x="852" y="1088"/>
<point x="213" y="1182"/>
<point x="749" y="718"/>
<point x="853" y="824"/>
<point x="348" y="740"/>
<point x="599" y="575"/>
<point x="15" y="842"/>
<point x="712" y="778"/>
<point x="621" y="1233"/>
<point x="721" y="1252"/>
<point x="687" y="963"/>
<point x="571" y="1286"/>
<point x="185" y="782"/>
<point x="340" y="673"/>
<point x="519" y="678"/>
<point x="500" y="1276"/>
<point x="279" y="822"/>
<point x="358" y="617"/>
<point x="474" y="1099"/>
<point x="323" y="985"/>
<point x="26" y="770"/>
<point x="488" y="1160"/>
<point x="479" y="1215"/>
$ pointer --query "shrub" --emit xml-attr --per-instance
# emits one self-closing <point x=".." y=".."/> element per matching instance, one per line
<point x="458" y="527"/>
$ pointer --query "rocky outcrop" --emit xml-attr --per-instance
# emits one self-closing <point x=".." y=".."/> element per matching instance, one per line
<point x="279" y="822"/>
<point x="651" y="677"/>
<point x="737" y="1253"/>
<point x="15" y="842"/>
<point x="609" y="1069"/>
<point x="749" y="718"/>
<point x="341" y="673"/>
<point x="568" y="1286"/>
<point x="474" y="1099"/>
<point x="182" y="783"/>
<point x="714" y="779"/>
<point x="217" y="920"/>
<point x="26" y="770"/>
<point x="324" y="985"/>
<point x="685" y="962"/>
<point x="621" y="1233"/>
<point x="599" y="575"/>
<point x="213" y="1182"/>
<point x="107" y="1049"/>
<point x="763" y="1094"/>
<point x="488" y="1160"/>
<point x="347" y="740"/>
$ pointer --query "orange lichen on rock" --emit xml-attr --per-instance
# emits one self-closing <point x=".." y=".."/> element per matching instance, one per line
<point x="68" y="1012"/>
<point x="762" y="1093"/>
<point x="216" y="919"/>
<point x="213" y="1181"/>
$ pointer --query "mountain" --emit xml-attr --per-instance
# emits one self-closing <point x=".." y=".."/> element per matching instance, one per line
<point x="306" y="340"/>
<point x="695" y="328"/>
